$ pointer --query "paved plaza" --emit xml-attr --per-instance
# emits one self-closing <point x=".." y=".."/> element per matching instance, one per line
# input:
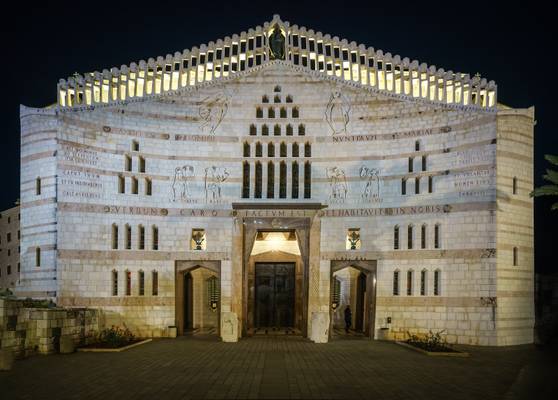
<point x="281" y="367"/>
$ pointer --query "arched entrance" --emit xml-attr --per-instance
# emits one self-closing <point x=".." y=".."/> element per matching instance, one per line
<point x="198" y="303"/>
<point x="353" y="285"/>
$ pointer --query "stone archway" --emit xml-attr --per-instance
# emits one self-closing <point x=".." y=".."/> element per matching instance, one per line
<point x="182" y="270"/>
<point x="369" y="269"/>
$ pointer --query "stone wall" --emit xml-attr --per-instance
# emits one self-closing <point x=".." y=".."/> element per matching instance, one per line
<point x="28" y="331"/>
<point x="9" y="248"/>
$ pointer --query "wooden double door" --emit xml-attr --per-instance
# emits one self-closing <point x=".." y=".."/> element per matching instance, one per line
<point x="274" y="295"/>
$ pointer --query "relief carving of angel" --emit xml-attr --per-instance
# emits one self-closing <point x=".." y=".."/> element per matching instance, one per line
<point x="337" y="112"/>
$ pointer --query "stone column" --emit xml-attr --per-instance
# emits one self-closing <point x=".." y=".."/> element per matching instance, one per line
<point x="318" y="313"/>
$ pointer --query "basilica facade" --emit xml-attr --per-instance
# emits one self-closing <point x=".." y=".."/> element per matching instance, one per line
<point x="264" y="182"/>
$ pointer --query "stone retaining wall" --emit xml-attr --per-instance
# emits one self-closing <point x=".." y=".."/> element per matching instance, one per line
<point x="38" y="330"/>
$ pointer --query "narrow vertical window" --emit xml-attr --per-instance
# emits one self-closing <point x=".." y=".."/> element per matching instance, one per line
<point x="295" y="180"/>
<point x="128" y="237"/>
<point x="128" y="283"/>
<point x="396" y="237"/>
<point x="301" y="130"/>
<point x="114" y="283"/>
<point x="307" y="180"/>
<point x="155" y="238"/>
<point x="295" y="113"/>
<point x="282" y="180"/>
<point x="259" y="112"/>
<point x="417" y="185"/>
<point x="114" y="236"/>
<point x="258" y="187"/>
<point x="417" y="145"/>
<point x="423" y="282"/>
<point x="283" y="112"/>
<point x="155" y="283"/>
<point x="246" y="149"/>
<point x="127" y="163"/>
<point x="307" y="150"/>
<point x="245" y="180"/>
<point x="141" y="237"/>
<point x="437" y="236"/>
<point x="283" y="149"/>
<point x="38" y="257"/>
<point x="411" y="162"/>
<point x="135" y="145"/>
<point x="258" y="149"/>
<point x="141" y="164"/>
<point x="515" y="256"/>
<point x="410" y="282"/>
<point x="424" y="163"/>
<point x="514" y="185"/>
<point x="277" y="99"/>
<point x="121" y="184"/>
<point x="134" y="185"/>
<point x="265" y="99"/>
<point x="271" y="112"/>
<point x="289" y="130"/>
<point x="277" y="130"/>
<point x="294" y="151"/>
<point x="423" y="237"/>
<point x="403" y="186"/>
<point x="270" y="180"/>
<point x="148" y="187"/>
<point x="270" y="149"/>
<point x="430" y="184"/>
<point x="437" y="282"/>
<point x="410" y="237"/>
<point x="265" y="130"/>
<point x="253" y="130"/>
<point x="141" y="283"/>
<point x="289" y="99"/>
<point x="38" y="186"/>
<point x="396" y="283"/>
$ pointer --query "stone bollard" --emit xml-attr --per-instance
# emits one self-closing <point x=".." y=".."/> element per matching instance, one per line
<point x="66" y="345"/>
<point x="6" y="359"/>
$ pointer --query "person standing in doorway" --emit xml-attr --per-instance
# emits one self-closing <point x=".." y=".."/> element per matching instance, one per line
<point x="348" y="318"/>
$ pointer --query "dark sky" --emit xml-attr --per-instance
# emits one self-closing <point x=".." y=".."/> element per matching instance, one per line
<point x="515" y="48"/>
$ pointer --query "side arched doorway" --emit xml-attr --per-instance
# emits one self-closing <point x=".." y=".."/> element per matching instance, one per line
<point x="353" y="284"/>
<point x="197" y="299"/>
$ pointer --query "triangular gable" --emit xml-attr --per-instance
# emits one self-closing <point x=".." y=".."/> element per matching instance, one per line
<point x="277" y="42"/>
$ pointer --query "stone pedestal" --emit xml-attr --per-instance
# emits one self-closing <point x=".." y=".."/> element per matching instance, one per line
<point x="66" y="345"/>
<point x="6" y="359"/>
<point x="172" y="331"/>
<point x="229" y="327"/>
<point x="320" y="327"/>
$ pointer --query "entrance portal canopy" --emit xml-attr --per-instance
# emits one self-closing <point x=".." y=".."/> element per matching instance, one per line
<point x="277" y="42"/>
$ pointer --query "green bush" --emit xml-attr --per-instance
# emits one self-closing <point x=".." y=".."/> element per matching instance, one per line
<point x="115" y="336"/>
<point x="431" y="342"/>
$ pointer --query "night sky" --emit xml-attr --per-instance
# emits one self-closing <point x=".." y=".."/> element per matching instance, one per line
<point x="42" y="44"/>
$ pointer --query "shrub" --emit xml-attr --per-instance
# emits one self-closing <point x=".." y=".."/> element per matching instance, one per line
<point x="115" y="336"/>
<point x="431" y="342"/>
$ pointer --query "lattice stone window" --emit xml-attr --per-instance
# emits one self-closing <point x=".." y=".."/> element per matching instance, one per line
<point x="213" y="293"/>
<point x="198" y="240"/>
<point x="114" y="282"/>
<point x="141" y="283"/>
<point x="437" y="282"/>
<point x="128" y="283"/>
<point x="336" y="293"/>
<point x="410" y="286"/>
<point x="353" y="241"/>
<point x="154" y="283"/>
<point x="423" y="280"/>
<point x="396" y="283"/>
